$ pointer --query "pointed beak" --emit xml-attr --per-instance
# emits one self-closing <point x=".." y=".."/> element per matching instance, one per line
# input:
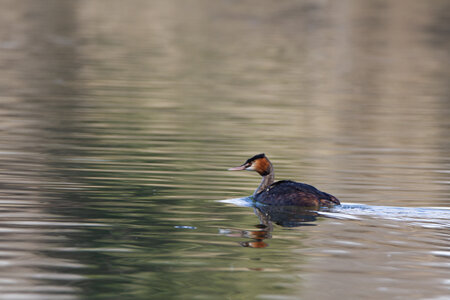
<point x="240" y="168"/>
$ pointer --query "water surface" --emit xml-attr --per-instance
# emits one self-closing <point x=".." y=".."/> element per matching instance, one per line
<point x="119" y="120"/>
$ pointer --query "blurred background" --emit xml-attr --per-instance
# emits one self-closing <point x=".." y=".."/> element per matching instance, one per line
<point x="120" y="118"/>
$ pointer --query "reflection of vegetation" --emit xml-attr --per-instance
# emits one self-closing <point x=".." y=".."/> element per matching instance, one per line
<point x="129" y="117"/>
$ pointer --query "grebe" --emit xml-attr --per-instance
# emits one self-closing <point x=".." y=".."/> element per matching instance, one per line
<point x="284" y="192"/>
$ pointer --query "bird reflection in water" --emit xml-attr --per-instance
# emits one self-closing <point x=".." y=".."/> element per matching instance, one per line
<point x="285" y="216"/>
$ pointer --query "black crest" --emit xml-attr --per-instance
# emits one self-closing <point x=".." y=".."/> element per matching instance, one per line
<point x="258" y="156"/>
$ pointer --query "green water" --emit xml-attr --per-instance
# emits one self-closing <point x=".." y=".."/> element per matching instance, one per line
<point x="120" y="119"/>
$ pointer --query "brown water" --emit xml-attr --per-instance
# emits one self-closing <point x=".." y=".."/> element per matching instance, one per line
<point x="120" y="118"/>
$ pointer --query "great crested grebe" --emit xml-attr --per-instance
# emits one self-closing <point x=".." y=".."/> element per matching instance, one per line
<point x="284" y="192"/>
